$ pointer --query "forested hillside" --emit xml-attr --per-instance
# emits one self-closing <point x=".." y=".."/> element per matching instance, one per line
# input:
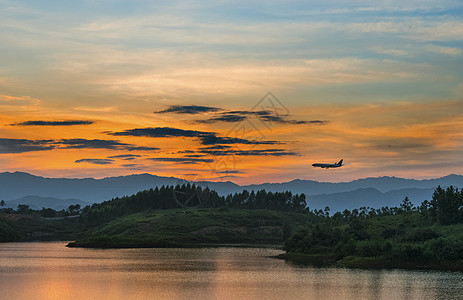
<point x="430" y="235"/>
<point x="189" y="196"/>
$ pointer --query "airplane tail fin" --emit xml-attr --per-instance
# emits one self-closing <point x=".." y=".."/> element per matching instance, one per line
<point x="340" y="162"/>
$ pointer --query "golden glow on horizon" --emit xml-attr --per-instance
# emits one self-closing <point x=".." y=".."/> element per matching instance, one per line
<point x="393" y="137"/>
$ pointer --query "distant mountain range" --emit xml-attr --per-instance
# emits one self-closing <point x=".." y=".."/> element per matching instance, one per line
<point x="368" y="197"/>
<point x="372" y="192"/>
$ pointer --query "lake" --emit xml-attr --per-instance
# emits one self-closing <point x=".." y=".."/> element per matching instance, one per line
<point x="53" y="271"/>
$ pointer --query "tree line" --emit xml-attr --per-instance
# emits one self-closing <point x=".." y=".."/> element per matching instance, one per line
<point x="406" y="233"/>
<point x="189" y="196"/>
<point x="23" y="209"/>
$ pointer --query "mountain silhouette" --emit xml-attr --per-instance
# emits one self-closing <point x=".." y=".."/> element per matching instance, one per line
<point x="372" y="192"/>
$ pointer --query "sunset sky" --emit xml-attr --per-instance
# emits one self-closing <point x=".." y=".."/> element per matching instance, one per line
<point x="246" y="91"/>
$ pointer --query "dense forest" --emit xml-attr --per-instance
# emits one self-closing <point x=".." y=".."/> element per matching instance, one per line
<point x="189" y="196"/>
<point x="427" y="235"/>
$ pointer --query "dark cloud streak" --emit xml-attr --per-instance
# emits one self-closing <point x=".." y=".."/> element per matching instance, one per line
<point x="91" y="144"/>
<point x="224" y="118"/>
<point x="130" y="166"/>
<point x="141" y="148"/>
<point x="213" y="140"/>
<point x="160" y="132"/>
<point x="54" y="123"/>
<point x="95" y="161"/>
<point x="206" y="138"/>
<point x="280" y="120"/>
<point x="237" y="116"/>
<point x="125" y="156"/>
<point x="23" y="145"/>
<point x="182" y="160"/>
<point x="229" y="172"/>
<point x="254" y="152"/>
<point x="188" y="109"/>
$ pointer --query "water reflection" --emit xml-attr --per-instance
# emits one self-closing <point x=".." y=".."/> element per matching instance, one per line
<point x="52" y="271"/>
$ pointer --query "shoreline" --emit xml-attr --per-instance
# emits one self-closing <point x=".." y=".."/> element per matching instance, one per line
<point x="76" y="244"/>
<point x="299" y="259"/>
<point x="369" y="263"/>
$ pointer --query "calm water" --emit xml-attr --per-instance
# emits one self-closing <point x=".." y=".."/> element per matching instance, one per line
<point x="52" y="271"/>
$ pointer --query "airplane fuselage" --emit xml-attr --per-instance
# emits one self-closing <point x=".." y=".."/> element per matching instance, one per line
<point x="327" y="166"/>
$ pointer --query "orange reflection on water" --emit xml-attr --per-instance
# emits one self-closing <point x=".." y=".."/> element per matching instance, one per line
<point x="52" y="271"/>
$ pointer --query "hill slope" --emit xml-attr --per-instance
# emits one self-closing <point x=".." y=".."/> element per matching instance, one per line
<point x="194" y="227"/>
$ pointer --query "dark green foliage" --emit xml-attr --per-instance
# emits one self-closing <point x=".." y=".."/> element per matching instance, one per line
<point x="419" y="234"/>
<point x="314" y="238"/>
<point x="189" y="196"/>
<point x="73" y="209"/>
<point x="26" y="224"/>
<point x="9" y="232"/>
<point x="406" y="205"/>
<point x="166" y="197"/>
<point x="345" y="248"/>
<point x="191" y="215"/>
<point x="446" y="205"/>
<point x="24" y="209"/>
<point x="267" y="200"/>
<point x="428" y="234"/>
<point x="446" y="248"/>
<point x="47" y="213"/>
<point x="357" y="228"/>
<point x="287" y="230"/>
<point x="194" y="227"/>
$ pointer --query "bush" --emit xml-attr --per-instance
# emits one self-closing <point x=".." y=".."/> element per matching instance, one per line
<point x="445" y="249"/>
<point x="420" y="234"/>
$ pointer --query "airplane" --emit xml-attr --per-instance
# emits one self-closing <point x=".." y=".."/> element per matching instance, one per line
<point x="326" y="166"/>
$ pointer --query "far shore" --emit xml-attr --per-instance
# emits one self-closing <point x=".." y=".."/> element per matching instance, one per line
<point x="76" y="244"/>
<point x="356" y="262"/>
